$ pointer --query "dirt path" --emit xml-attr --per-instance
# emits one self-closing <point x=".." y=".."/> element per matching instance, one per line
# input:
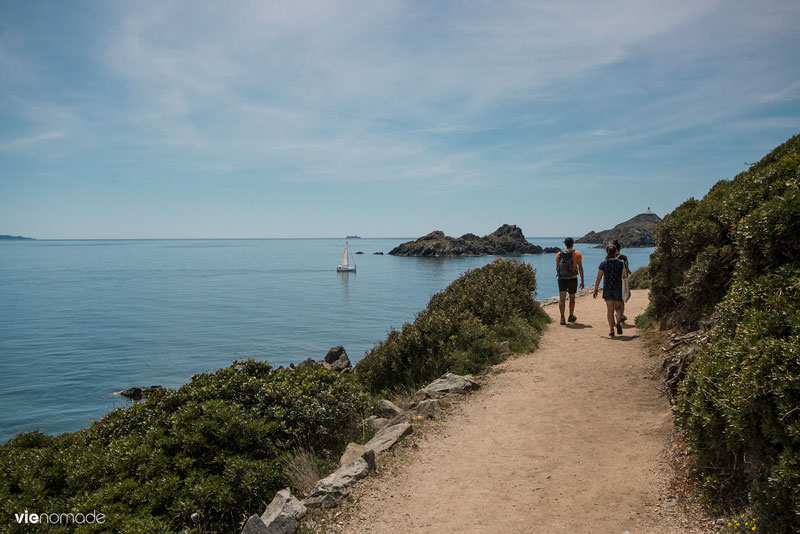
<point x="570" y="438"/>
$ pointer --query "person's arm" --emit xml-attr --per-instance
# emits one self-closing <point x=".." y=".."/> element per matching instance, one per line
<point x="597" y="283"/>
<point x="580" y="269"/>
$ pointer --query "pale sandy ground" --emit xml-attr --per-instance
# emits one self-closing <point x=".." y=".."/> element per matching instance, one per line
<point x="570" y="438"/>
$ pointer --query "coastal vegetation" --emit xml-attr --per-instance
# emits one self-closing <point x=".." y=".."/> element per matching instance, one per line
<point x="459" y="330"/>
<point x="215" y="447"/>
<point x="204" y="457"/>
<point x="729" y="263"/>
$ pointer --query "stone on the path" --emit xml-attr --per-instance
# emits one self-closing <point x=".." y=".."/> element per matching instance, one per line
<point x="355" y="451"/>
<point x="336" y="485"/>
<point x="424" y="394"/>
<point x="451" y="383"/>
<point x="283" y="513"/>
<point x="387" y="437"/>
<point x="255" y="525"/>
<point x="324" y="500"/>
<point x="428" y="408"/>
<point x="376" y="423"/>
<point x="387" y="408"/>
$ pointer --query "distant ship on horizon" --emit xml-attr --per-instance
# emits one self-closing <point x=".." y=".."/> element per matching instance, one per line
<point x="353" y="237"/>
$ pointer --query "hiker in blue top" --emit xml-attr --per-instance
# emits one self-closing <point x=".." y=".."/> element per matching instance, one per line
<point x="613" y="270"/>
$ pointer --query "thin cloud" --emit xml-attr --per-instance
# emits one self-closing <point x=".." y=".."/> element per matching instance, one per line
<point x="26" y="142"/>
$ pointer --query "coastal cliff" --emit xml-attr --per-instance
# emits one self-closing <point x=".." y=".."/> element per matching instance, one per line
<point x="508" y="240"/>
<point x="636" y="232"/>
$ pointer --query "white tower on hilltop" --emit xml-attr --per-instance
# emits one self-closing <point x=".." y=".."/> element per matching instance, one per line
<point x="648" y="211"/>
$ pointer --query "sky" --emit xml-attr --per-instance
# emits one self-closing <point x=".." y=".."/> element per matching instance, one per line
<point x="321" y="118"/>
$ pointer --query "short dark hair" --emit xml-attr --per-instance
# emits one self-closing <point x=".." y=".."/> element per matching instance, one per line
<point x="569" y="242"/>
<point x="616" y="244"/>
<point x="611" y="251"/>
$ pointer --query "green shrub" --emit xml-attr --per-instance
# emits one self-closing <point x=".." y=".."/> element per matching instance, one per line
<point x="640" y="278"/>
<point x="748" y="223"/>
<point x="458" y="329"/>
<point x="739" y="401"/>
<point x="214" y="446"/>
<point x="732" y="257"/>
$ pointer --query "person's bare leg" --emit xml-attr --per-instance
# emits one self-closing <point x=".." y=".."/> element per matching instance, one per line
<point x="622" y="312"/>
<point x="562" y="302"/>
<point x="610" y="314"/>
<point x="572" y="304"/>
<point x="620" y="306"/>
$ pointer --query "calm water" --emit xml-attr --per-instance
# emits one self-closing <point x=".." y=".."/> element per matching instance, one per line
<point x="82" y="319"/>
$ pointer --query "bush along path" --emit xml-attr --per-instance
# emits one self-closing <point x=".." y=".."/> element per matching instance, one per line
<point x="571" y="438"/>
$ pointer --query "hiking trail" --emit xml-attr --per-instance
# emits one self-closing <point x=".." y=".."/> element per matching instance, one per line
<point x="569" y="438"/>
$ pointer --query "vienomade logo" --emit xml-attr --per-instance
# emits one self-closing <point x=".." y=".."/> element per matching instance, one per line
<point x="53" y="518"/>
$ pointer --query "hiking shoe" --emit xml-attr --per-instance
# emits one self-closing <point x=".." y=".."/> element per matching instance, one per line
<point x="562" y="320"/>
<point x="619" y="328"/>
<point x="611" y="334"/>
<point x="572" y="319"/>
<point x="624" y="318"/>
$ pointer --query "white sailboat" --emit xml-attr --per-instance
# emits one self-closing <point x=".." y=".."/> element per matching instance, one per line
<point x="345" y="266"/>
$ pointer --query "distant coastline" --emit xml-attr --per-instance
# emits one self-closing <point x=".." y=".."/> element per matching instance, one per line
<point x="15" y="238"/>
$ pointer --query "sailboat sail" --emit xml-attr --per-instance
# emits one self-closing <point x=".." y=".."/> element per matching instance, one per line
<point x="345" y="261"/>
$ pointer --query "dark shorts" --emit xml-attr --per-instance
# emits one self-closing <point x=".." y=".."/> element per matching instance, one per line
<point x="612" y="294"/>
<point x="570" y="285"/>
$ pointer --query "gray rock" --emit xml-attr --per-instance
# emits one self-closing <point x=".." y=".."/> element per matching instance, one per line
<point x="387" y="437"/>
<point x="355" y="451"/>
<point x="308" y="362"/>
<point x="342" y="364"/>
<point x="337" y="359"/>
<point x="255" y="525"/>
<point x="335" y="486"/>
<point x="387" y="408"/>
<point x="450" y="383"/>
<point x="428" y="408"/>
<point x="283" y="513"/>
<point x="324" y="500"/>
<point x="424" y="394"/>
<point x="334" y="354"/>
<point x="376" y="423"/>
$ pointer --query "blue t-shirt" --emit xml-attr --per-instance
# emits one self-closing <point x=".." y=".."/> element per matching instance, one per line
<point x="612" y="273"/>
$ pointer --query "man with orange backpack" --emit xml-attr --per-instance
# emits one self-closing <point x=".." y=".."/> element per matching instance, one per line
<point x="569" y="263"/>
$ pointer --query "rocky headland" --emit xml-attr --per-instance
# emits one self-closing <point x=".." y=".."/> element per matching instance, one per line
<point x="508" y="240"/>
<point x="636" y="232"/>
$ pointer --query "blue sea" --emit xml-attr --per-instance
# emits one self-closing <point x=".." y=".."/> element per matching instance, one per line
<point x="80" y="320"/>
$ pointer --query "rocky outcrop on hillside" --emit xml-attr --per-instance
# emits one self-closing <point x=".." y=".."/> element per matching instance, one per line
<point x="508" y="240"/>
<point x="636" y="232"/>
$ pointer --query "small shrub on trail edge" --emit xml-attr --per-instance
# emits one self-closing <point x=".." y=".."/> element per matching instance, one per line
<point x="458" y="330"/>
<point x="640" y="278"/>
<point x="214" y="447"/>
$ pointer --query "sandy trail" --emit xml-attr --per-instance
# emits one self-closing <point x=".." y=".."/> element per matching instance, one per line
<point x="570" y="438"/>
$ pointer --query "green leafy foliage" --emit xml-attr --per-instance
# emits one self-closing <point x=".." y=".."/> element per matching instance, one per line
<point x="740" y="402"/>
<point x="748" y="224"/>
<point x="732" y="256"/>
<point x="215" y="447"/>
<point x="640" y="278"/>
<point x="458" y="329"/>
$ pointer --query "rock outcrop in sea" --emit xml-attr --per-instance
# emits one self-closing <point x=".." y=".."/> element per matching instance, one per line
<point x="636" y="232"/>
<point x="508" y="240"/>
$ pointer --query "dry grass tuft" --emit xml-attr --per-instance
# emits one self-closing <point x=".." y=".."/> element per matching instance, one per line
<point x="300" y="468"/>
